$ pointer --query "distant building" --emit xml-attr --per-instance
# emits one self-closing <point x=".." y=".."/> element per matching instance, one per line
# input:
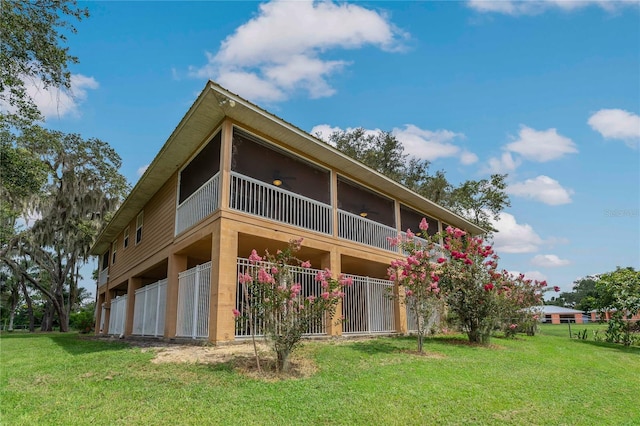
<point x="558" y="314"/>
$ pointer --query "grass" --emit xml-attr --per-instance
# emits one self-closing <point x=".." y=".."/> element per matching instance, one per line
<point x="62" y="379"/>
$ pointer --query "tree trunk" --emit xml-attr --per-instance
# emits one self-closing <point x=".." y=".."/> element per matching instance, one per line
<point x="47" y="317"/>
<point x="27" y="298"/>
<point x="282" y="363"/>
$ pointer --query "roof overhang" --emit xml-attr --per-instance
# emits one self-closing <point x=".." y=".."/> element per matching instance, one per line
<point x="210" y="108"/>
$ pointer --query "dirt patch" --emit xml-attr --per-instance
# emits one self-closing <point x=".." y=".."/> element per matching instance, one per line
<point x="202" y="354"/>
<point x="239" y="357"/>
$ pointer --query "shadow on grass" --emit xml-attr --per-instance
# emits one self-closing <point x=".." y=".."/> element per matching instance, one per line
<point x="71" y="342"/>
<point x="376" y="346"/>
<point x="613" y="346"/>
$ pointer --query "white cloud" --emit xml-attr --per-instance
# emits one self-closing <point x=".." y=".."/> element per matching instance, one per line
<point x="505" y="164"/>
<point x="432" y="144"/>
<point x="423" y="144"/>
<point x="513" y="237"/>
<point x="531" y="275"/>
<point x="617" y="124"/>
<point x="142" y="169"/>
<point x="467" y="157"/>
<point x="541" y="146"/>
<point x="534" y="7"/>
<point x="542" y="188"/>
<point x="549" y="261"/>
<point x="280" y="50"/>
<point x="53" y="102"/>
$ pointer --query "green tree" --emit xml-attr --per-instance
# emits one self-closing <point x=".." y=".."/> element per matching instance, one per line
<point x="83" y="185"/>
<point x="619" y="294"/>
<point x="32" y="48"/>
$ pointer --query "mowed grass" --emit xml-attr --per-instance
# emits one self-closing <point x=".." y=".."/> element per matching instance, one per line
<point x="549" y="379"/>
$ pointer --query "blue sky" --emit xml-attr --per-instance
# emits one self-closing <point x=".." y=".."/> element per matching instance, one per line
<point x="546" y="91"/>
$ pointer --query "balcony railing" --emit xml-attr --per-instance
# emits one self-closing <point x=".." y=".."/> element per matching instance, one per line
<point x="103" y="276"/>
<point x="356" y="228"/>
<point x="258" y="198"/>
<point x="199" y="205"/>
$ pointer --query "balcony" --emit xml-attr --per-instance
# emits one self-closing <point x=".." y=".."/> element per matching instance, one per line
<point x="258" y="198"/>
<point x="103" y="276"/>
<point x="199" y="205"/>
<point x="255" y="197"/>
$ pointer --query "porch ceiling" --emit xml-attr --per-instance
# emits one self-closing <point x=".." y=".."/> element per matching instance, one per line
<point x="210" y="108"/>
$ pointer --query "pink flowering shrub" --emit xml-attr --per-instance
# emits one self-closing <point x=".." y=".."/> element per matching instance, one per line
<point x="481" y="298"/>
<point x="417" y="274"/>
<point x="274" y="299"/>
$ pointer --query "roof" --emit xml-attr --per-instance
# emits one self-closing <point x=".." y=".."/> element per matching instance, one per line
<point x="207" y="112"/>
<point x="551" y="309"/>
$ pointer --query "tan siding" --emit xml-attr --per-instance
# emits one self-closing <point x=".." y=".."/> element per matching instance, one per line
<point x="157" y="231"/>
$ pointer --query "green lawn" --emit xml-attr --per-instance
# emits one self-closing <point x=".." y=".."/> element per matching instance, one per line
<point x="548" y="379"/>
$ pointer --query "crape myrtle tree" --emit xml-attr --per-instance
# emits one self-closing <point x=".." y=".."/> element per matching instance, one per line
<point x="481" y="298"/>
<point x="479" y="201"/>
<point x="275" y="303"/>
<point x="417" y="276"/>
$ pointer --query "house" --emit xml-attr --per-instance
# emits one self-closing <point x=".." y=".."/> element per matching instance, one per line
<point x="231" y="178"/>
<point x="605" y="316"/>
<point x="558" y="314"/>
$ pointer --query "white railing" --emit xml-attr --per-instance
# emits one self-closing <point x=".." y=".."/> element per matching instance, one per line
<point x="199" y="205"/>
<point x="118" y="315"/>
<point x="193" y="302"/>
<point x="149" y="309"/>
<point x="103" y="276"/>
<point x="359" y="229"/>
<point x="412" y="320"/>
<point x="435" y="253"/>
<point x="304" y="276"/>
<point x="368" y="307"/>
<point x="258" y="198"/>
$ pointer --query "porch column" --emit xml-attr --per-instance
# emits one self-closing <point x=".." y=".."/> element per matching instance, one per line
<point x="224" y="254"/>
<point x="578" y="318"/>
<point x="225" y="164"/>
<point x="332" y="261"/>
<point x="133" y="284"/>
<point x="176" y="264"/>
<point x="99" y="302"/>
<point x="555" y="318"/>
<point x="399" y="309"/>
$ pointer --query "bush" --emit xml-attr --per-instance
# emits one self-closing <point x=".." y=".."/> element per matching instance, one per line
<point x="82" y="321"/>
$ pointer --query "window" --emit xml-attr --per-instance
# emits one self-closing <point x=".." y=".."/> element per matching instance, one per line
<point x="114" y="246"/>
<point x="125" y="239"/>
<point x="105" y="260"/>
<point x="139" y="228"/>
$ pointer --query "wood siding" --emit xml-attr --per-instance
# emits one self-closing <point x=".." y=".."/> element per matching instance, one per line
<point x="157" y="232"/>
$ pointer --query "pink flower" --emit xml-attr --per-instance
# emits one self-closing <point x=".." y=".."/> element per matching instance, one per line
<point x="513" y="326"/>
<point x="236" y="313"/>
<point x="441" y="260"/>
<point x="410" y="234"/>
<point x="274" y="270"/>
<point x="253" y="258"/>
<point x="264" y="277"/>
<point x="408" y="292"/>
<point x="556" y="289"/>
<point x="325" y="295"/>
<point x="306" y="264"/>
<point x="244" y="278"/>
<point x="423" y="224"/>
<point x="345" y="281"/>
<point x="311" y="298"/>
<point x="449" y="230"/>
<point x="488" y="287"/>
